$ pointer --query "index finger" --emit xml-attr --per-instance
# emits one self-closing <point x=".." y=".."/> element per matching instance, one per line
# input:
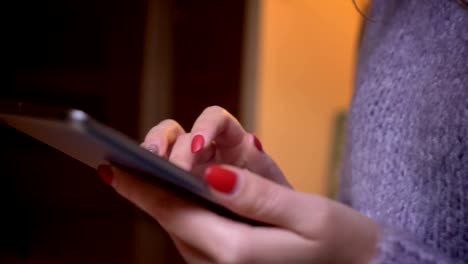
<point x="234" y="145"/>
<point x="215" y="123"/>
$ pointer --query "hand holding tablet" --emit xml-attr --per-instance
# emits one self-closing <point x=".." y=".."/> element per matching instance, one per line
<point x="219" y="196"/>
<point x="164" y="162"/>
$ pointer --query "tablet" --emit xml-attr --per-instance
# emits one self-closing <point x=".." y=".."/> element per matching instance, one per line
<point x="79" y="136"/>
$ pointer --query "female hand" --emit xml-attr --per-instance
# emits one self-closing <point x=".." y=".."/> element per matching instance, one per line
<point x="304" y="228"/>
<point x="216" y="137"/>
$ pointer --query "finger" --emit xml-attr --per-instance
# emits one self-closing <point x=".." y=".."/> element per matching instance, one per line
<point x="261" y="163"/>
<point x="214" y="121"/>
<point x="186" y="220"/>
<point x="191" y="254"/>
<point x="235" y="146"/>
<point x="255" y="245"/>
<point x="275" y="245"/>
<point x="161" y="137"/>
<point x="207" y="237"/>
<point x="182" y="157"/>
<point x="257" y="198"/>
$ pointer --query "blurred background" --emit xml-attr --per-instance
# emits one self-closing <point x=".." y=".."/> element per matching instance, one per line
<point x="283" y="67"/>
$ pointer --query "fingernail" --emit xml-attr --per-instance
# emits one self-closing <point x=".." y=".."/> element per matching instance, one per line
<point x="220" y="179"/>
<point x="257" y="143"/>
<point x="153" y="149"/>
<point x="197" y="143"/>
<point x="106" y="173"/>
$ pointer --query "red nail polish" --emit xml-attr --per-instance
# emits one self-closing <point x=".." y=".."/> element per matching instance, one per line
<point x="106" y="173"/>
<point x="220" y="179"/>
<point x="197" y="143"/>
<point x="257" y="143"/>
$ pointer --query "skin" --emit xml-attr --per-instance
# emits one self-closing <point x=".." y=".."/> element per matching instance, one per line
<point x="305" y="228"/>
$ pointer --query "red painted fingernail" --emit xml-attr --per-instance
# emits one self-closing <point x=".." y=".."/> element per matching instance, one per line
<point x="220" y="179"/>
<point x="257" y="143"/>
<point x="106" y="173"/>
<point x="197" y="143"/>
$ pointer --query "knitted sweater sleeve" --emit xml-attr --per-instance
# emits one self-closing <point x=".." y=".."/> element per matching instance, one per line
<point x="399" y="248"/>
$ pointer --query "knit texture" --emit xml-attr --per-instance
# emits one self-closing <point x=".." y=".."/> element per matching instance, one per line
<point x="406" y="157"/>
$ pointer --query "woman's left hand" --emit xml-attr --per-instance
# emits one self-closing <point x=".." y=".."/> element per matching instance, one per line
<point x="305" y="228"/>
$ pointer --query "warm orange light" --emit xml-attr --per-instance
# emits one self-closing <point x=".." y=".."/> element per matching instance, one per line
<point x="305" y="75"/>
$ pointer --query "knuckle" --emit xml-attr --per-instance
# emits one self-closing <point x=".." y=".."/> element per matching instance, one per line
<point x="260" y="202"/>
<point x="167" y="126"/>
<point x="161" y="126"/>
<point x="168" y="123"/>
<point x="324" y="218"/>
<point x="152" y="133"/>
<point x="328" y="217"/>
<point x="216" y="111"/>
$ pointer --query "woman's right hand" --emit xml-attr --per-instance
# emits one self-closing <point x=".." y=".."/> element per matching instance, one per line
<point x="303" y="228"/>
<point x="216" y="137"/>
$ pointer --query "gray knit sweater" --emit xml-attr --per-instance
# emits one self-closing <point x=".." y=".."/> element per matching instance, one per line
<point x="406" y="159"/>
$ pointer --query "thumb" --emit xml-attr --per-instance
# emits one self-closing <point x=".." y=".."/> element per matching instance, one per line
<point x="252" y="196"/>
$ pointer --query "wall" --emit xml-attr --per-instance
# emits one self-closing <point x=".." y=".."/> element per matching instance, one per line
<point x="305" y="52"/>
